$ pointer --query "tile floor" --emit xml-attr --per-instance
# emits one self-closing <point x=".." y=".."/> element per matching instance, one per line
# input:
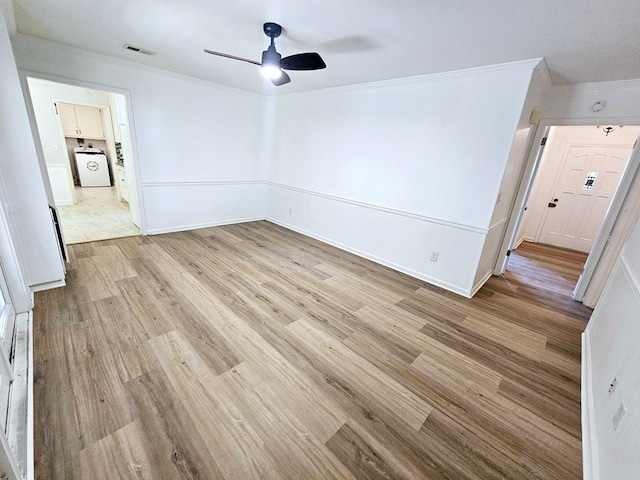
<point x="98" y="215"/>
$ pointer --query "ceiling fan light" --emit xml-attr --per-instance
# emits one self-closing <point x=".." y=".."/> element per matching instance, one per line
<point x="270" y="66"/>
<point x="270" y="71"/>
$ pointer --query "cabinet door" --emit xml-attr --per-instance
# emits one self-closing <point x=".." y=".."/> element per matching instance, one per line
<point x="122" y="183"/>
<point x="68" y="119"/>
<point x="89" y="122"/>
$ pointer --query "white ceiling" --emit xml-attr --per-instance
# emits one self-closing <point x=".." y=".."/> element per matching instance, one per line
<point x="360" y="40"/>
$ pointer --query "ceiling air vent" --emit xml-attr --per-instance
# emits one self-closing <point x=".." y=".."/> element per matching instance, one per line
<point x="144" y="51"/>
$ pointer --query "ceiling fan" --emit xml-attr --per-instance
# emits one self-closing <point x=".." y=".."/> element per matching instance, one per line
<point x="273" y="64"/>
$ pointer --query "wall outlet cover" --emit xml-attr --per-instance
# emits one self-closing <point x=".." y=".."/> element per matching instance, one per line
<point x="617" y="417"/>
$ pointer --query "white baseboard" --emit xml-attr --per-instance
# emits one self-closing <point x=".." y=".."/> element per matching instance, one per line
<point x="373" y="258"/>
<point x="47" y="286"/>
<point x="589" y="439"/>
<point x="184" y="228"/>
<point x="480" y="283"/>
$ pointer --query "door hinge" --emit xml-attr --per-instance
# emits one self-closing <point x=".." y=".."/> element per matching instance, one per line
<point x="508" y="253"/>
<point x="544" y="141"/>
<point x="55" y="106"/>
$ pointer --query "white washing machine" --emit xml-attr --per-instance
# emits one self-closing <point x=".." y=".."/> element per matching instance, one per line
<point x="92" y="167"/>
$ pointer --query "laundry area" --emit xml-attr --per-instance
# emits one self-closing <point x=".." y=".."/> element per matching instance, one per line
<point x="86" y="144"/>
<point x="89" y="160"/>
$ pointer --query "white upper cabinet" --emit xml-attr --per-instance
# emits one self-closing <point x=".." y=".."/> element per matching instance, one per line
<point x="80" y="121"/>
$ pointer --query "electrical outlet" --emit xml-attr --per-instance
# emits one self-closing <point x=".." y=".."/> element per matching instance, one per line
<point x="434" y="256"/>
<point x="613" y="385"/>
<point x="290" y="211"/>
<point x="617" y="417"/>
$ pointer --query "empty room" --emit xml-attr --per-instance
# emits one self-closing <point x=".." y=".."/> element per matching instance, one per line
<point x="267" y="240"/>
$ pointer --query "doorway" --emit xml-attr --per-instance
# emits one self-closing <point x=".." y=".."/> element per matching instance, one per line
<point x="85" y="135"/>
<point x="578" y="171"/>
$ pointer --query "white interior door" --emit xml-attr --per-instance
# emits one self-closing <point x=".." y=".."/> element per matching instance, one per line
<point x="587" y="181"/>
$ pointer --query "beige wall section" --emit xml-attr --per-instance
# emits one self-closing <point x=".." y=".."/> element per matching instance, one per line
<point x="558" y="140"/>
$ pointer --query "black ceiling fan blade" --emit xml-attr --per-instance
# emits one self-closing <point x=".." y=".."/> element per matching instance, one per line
<point x="233" y="57"/>
<point x="303" y="61"/>
<point x="281" y="80"/>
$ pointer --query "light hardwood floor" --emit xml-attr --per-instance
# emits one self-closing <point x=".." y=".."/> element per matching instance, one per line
<point x="252" y="352"/>
<point x="98" y="215"/>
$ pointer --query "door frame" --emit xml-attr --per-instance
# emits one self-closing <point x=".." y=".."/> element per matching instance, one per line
<point x="616" y="226"/>
<point x="25" y="74"/>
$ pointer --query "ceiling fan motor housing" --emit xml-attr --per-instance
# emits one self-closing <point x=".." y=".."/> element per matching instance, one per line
<point x="272" y="30"/>
<point x="271" y="57"/>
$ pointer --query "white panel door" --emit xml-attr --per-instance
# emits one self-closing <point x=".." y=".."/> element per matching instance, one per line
<point x="582" y="193"/>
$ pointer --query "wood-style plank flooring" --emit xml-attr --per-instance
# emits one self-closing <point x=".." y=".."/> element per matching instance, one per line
<point x="252" y="352"/>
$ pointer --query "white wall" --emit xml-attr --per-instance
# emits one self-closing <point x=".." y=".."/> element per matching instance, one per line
<point x="197" y="145"/>
<point x="24" y="199"/>
<point x="396" y="170"/>
<point x="613" y="336"/>
<point x="498" y="237"/>
<point x="576" y="102"/>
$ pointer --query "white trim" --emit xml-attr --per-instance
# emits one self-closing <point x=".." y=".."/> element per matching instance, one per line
<point x="11" y="271"/>
<point x="18" y="434"/>
<point x="633" y="280"/>
<point x="480" y="283"/>
<point x="631" y="83"/>
<point x="195" y="226"/>
<point x="69" y="178"/>
<point x="373" y="258"/>
<point x="459" y="226"/>
<point x="212" y="183"/>
<point x="7" y="461"/>
<point x="589" y="437"/>
<point x="529" y="64"/>
<point x="497" y="225"/>
<point x="525" y="181"/>
<point x="542" y="73"/>
<point x="106" y="59"/>
<point x="47" y="286"/>
<point x="30" y="400"/>
<point x="623" y="208"/>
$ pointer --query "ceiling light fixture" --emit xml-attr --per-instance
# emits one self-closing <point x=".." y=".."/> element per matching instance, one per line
<point x="609" y="129"/>
<point x="599" y="106"/>
<point x="270" y="67"/>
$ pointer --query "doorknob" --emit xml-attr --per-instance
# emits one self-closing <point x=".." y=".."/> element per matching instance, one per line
<point x="553" y="204"/>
